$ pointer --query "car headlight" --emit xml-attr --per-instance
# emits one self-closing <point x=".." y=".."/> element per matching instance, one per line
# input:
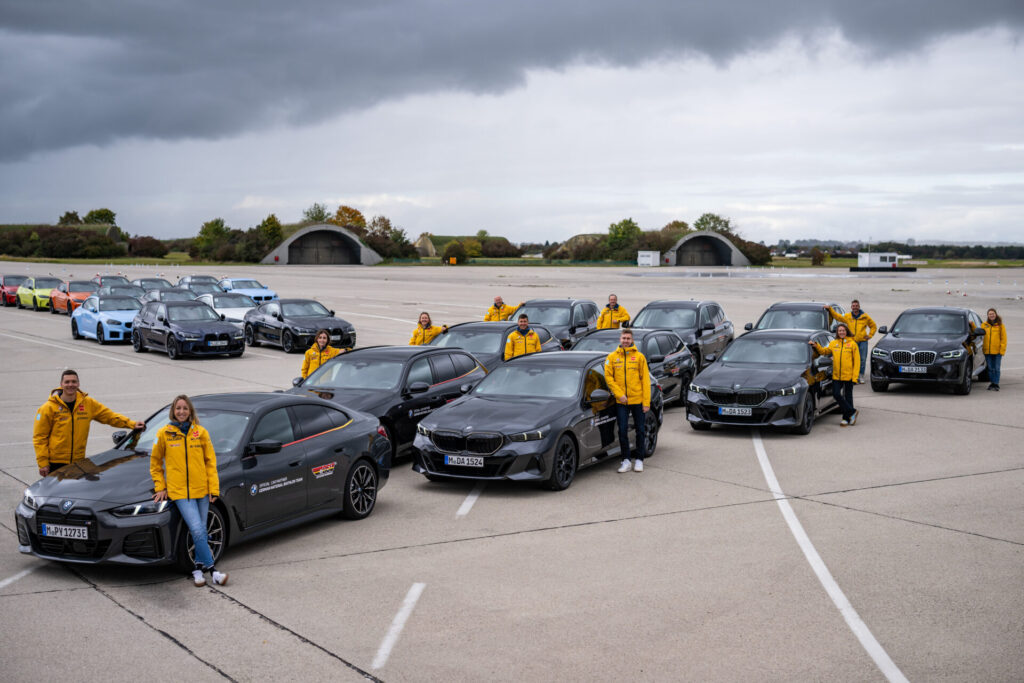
<point x="111" y="321"/>
<point x="879" y="353"/>
<point x="420" y="429"/>
<point x="954" y="353"/>
<point x="146" y="507"/>
<point x="188" y="336"/>
<point x="534" y="435"/>
<point x="698" y="389"/>
<point x="788" y="391"/>
<point x="238" y="335"/>
<point x="303" y="330"/>
<point x="30" y="501"/>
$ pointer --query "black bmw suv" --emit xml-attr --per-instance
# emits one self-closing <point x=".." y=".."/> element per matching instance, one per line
<point x="935" y="345"/>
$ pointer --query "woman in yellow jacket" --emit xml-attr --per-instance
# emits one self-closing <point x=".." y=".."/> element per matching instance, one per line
<point x="426" y="331"/>
<point x="319" y="353"/>
<point x="184" y="469"/>
<point x="845" y="370"/>
<point x="994" y="347"/>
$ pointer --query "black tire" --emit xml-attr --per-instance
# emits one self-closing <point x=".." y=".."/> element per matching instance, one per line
<point x="138" y="345"/>
<point x="17" y="302"/>
<point x="216" y="529"/>
<point x="173" y="352"/>
<point x="35" y="304"/>
<point x="53" y="309"/>
<point x="880" y="387"/>
<point x="360" y="490"/>
<point x="101" y="338"/>
<point x="563" y="464"/>
<point x="965" y="385"/>
<point x="74" y="330"/>
<point x="250" y="336"/>
<point x="651" y="430"/>
<point x="70" y="309"/>
<point x="288" y="342"/>
<point x="684" y="388"/>
<point x="807" y="417"/>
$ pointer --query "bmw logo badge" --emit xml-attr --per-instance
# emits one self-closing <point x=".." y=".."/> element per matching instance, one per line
<point x="66" y="505"/>
<point x="252" y="490"/>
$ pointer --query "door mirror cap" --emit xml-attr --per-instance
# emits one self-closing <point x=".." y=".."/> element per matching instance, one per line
<point x="332" y="313"/>
<point x="823" y="362"/>
<point x="466" y="388"/>
<point x="418" y="387"/>
<point x="656" y="359"/>
<point x="883" y="330"/>
<point x="223" y="317"/>
<point x="279" y="316"/>
<point x="709" y="326"/>
<point x="161" y="319"/>
<point x="264" y="447"/>
<point x="118" y="436"/>
<point x="978" y="332"/>
<point x="297" y="382"/>
<point x="599" y="396"/>
<point x="572" y="329"/>
<point x="710" y="358"/>
<point x="748" y="327"/>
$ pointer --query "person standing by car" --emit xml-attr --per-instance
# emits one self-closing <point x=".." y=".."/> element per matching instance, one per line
<point x="613" y="316"/>
<point x="426" y="331"/>
<point x="994" y="346"/>
<point x="499" y="311"/>
<point x="319" y="353"/>
<point x="522" y="340"/>
<point x="61" y="428"/>
<point x="861" y="327"/>
<point x="629" y="379"/>
<point x="845" y="363"/>
<point x="184" y="469"/>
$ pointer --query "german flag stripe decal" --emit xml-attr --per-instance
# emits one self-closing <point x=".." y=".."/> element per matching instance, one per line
<point x="292" y="443"/>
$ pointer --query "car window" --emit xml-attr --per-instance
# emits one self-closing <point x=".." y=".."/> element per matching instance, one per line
<point x="162" y="312"/>
<point x="705" y="316"/>
<point x="275" y="426"/>
<point x="594" y="380"/>
<point x="463" y="364"/>
<point x="669" y="343"/>
<point x="339" y="418"/>
<point x="651" y="347"/>
<point x="420" y="372"/>
<point x="272" y="309"/>
<point x="444" y="369"/>
<point x="579" y="315"/>
<point x="312" y="420"/>
<point x="542" y="334"/>
<point x="716" y="314"/>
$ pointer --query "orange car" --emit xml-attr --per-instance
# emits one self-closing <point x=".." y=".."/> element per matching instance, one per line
<point x="70" y="295"/>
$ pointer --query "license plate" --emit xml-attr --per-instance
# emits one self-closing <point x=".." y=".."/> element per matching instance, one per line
<point x="218" y="343"/>
<point x="64" y="531"/>
<point x="335" y="337"/>
<point x="463" y="460"/>
<point x="743" y="412"/>
<point x="913" y="369"/>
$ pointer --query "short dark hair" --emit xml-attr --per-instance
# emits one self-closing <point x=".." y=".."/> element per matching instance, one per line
<point x="625" y="330"/>
<point x="523" y="316"/>
<point x="855" y="302"/>
<point x="66" y="373"/>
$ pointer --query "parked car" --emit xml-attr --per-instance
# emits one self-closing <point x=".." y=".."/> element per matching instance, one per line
<point x="122" y="290"/>
<point x="765" y="378"/>
<point x="9" y="289"/>
<point x="35" y="292"/>
<point x="172" y="294"/>
<point x="796" y="315"/>
<point x="187" y="280"/>
<point x="105" y="318"/>
<point x="702" y="325"/>
<point x="292" y="324"/>
<point x="399" y="384"/>
<point x="150" y="283"/>
<point x="185" y="328"/>
<point x="70" y="294"/>
<point x="567" y="319"/>
<point x="537" y="418"/>
<point x="232" y="306"/>
<point x="668" y="358"/>
<point x="259" y="293"/>
<point x="103" y="280"/>
<point x="198" y="288"/>
<point x="281" y="460"/>
<point x="934" y="346"/>
<point x="486" y="340"/>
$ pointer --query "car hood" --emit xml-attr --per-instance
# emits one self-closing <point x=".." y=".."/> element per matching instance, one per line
<point x="236" y="313"/>
<point x="919" y="342"/>
<point x="115" y="477"/>
<point x="255" y="292"/>
<point x="317" y="322"/>
<point x="122" y="316"/>
<point x="749" y="376"/>
<point x="495" y="414"/>
<point x="365" y="400"/>
<point x="205" y="326"/>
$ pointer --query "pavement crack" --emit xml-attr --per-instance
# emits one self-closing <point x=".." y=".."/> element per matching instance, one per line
<point x="24" y="483"/>
<point x="916" y="481"/>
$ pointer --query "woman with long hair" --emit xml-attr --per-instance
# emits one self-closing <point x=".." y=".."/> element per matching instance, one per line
<point x="426" y="330"/>
<point x="994" y="346"/>
<point x="845" y="370"/>
<point x="319" y="353"/>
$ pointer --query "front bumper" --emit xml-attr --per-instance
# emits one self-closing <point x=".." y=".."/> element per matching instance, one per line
<point x="117" y="331"/>
<point x="202" y="347"/>
<point x="777" y="411"/>
<point x="942" y="371"/>
<point x="514" y="461"/>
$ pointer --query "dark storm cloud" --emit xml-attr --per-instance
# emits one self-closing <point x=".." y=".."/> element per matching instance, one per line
<point x="91" y="72"/>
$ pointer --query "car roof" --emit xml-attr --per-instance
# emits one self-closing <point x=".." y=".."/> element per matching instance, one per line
<point x="293" y="301"/>
<point x="637" y="332"/>
<point x="396" y="352"/>
<point x="799" y="305"/>
<point x="784" y="334"/>
<point x="181" y="304"/>
<point x="677" y="303"/>
<point x="250" y="401"/>
<point x="561" y="302"/>
<point x="573" y="359"/>
<point x="938" y="309"/>
<point x="488" y="324"/>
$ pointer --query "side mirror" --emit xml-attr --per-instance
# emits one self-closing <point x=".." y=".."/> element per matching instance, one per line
<point x="466" y="388"/>
<point x="264" y="447"/>
<point x="599" y="396"/>
<point x="710" y="358"/>
<point x="656" y="359"/>
<point x="748" y="327"/>
<point x="418" y="387"/>
<point x="279" y="316"/>
<point x="979" y="332"/>
<point x="822" y="362"/>
<point x="297" y="382"/>
<point x="223" y="317"/>
<point x="161" y="319"/>
<point x="709" y="326"/>
<point x="117" y="436"/>
<point x="572" y="329"/>
<point x="332" y="313"/>
<point x="883" y="330"/>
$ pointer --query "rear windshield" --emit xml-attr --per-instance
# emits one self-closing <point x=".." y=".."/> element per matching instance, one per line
<point x="793" y="320"/>
<point x="930" y="323"/>
<point x="11" y="280"/>
<point x="666" y="317"/>
<point x="119" y="304"/>
<point x="47" y="283"/>
<point x="154" y="283"/>
<point x="205" y="287"/>
<point x="82" y="286"/>
<point x="171" y="295"/>
<point x="233" y="301"/>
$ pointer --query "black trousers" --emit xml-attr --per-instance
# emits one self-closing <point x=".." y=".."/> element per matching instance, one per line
<point x="843" y="393"/>
<point x="639" y="421"/>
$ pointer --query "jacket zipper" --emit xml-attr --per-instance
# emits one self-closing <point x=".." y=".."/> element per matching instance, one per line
<point x="188" y="487"/>
<point x="71" y="453"/>
<point x="625" y="375"/>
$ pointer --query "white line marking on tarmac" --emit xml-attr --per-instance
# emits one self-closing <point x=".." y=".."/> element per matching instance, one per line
<point x="16" y="443"/>
<point x="20" y="575"/>
<point x="853" y="620"/>
<point x="382" y="317"/>
<point x="109" y="356"/>
<point x="467" y="504"/>
<point x="398" y="624"/>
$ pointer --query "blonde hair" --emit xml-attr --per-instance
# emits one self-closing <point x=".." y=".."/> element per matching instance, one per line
<point x="191" y="409"/>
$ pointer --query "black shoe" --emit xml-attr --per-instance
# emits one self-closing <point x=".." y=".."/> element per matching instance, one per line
<point x="991" y="387"/>
<point x="997" y="387"/>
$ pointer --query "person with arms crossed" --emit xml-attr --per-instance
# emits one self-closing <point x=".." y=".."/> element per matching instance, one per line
<point x="629" y="379"/>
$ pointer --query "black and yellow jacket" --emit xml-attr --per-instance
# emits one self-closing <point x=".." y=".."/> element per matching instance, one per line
<point x="189" y="461"/>
<point x="627" y="374"/>
<point x="60" y="438"/>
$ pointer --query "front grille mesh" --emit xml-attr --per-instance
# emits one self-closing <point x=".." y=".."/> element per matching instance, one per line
<point x="911" y="357"/>
<point x="478" y="443"/>
<point x="742" y="397"/>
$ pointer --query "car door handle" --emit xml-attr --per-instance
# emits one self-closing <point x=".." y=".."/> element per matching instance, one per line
<point x="295" y="464"/>
<point x="339" y="449"/>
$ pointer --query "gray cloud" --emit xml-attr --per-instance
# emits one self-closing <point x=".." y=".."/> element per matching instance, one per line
<point x="77" y="72"/>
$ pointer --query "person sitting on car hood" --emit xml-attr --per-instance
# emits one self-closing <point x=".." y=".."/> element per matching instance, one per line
<point x="500" y="311"/>
<point x="613" y="316"/>
<point x="522" y="340"/>
<point x="426" y="331"/>
<point x="319" y="353"/>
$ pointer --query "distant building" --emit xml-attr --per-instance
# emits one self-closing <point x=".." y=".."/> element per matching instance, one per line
<point x="424" y="245"/>
<point x="880" y="259"/>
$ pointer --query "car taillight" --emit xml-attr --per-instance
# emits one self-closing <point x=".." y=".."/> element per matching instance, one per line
<point x="380" y="430"/>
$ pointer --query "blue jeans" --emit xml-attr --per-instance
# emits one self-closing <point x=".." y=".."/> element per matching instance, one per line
<point x="863" y="348"/>
<point x="639" y="420"/>
<point x="994" y="361"/>
<point x="194" y="511"/>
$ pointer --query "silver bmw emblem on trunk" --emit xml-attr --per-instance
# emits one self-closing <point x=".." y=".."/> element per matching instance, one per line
<point x="66" y="505"/>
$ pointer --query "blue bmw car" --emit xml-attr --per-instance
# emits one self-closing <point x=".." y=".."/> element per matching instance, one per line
<point x="252" y="288"/>
<point x="105" y="318"/>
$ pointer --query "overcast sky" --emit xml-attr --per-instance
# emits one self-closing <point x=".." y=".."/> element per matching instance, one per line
<point x="828" y="118"/>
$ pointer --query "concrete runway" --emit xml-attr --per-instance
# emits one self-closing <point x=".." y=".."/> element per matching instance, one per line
<point x="690" y="571"/>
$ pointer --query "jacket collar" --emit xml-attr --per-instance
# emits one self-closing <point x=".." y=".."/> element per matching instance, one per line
<point x="523" y="332"/>
<point x="619" y="349"/>
<point x="56" y="393"/>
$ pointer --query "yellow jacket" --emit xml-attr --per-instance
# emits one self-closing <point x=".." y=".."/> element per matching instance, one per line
<point x="845" y="358"/>
<point x="422" y="335"/>
<point x="612" y="320"/>
<point x="519" y="344"/>
<point x="861" y="328"/>
<point x="190" y="462"/>
<point x="995" y="339"/>
<point x="626" y="372"/>
<point x="59" y="439"/>
<point x="503" y="313"/>
<point x="314" y="358"/>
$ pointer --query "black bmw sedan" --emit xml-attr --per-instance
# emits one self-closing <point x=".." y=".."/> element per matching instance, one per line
<point x="486" y="340"/>
<point x="701" y="324"/>
<point x="399" y="384"/>
<point x="566" y="319"/>
<point x="536" y="418"/>
<point x="281" y="459"/>
<point x="668" y="358"/>
<point x="292" y="324"/>
<point x="936" y="346"/>
<point x="796" y="315"/>
<point x="765" y="378"/>
<point x="185" y="328"/>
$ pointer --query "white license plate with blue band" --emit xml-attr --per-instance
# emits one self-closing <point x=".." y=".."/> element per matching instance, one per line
<point x="463" y="460"/>
<point x="335" y="337"/>
<point x="913" y="369"/>
<point x="218" y="343"/>
<point x="65" y="531"/>
<point x="740" y="412"/>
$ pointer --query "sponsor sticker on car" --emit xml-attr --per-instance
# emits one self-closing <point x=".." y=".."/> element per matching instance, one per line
<point x="325" y="470"/>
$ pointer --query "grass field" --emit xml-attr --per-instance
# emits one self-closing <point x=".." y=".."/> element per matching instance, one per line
<point x="782" y="262"/>
<point x="174" y="258"/>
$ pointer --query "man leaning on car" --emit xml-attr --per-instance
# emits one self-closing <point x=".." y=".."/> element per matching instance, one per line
<point x="61" y="427"/>
<point x="500" y="310"/>
<point x="629" y="379"/>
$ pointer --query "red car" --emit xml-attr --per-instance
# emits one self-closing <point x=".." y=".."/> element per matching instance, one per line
<point x="8" y="287"/>
<point x="70" y="295"/>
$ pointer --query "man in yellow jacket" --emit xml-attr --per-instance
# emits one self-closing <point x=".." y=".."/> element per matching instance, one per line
<point x="61" y="428"/>
<point x="500" y="310"/>
<point x="522" y="341"/>
<point x="629" y="380"/>
<point x="861" y="327"/>
<point x="613" y="316"/>
<point x="845" y="363"/>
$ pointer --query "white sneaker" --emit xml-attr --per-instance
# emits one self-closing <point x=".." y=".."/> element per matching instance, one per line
<point x="844" y="423"/>
<point x="853" y="418"/>
<point x="197" y="579"/>
<point x="220" y="578"/>
<point x="638" y="466"/>
<point x="626" y="466"/>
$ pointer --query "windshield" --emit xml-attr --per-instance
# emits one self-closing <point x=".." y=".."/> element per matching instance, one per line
<point x="226" y="429"/>
<point x="782" y="351"/>
<point x="595" y="343"/>
<point x="305" y="309"/>
<point x="202" y="278"/>
<point x="531" y="381"/>
<point x="546" y="315"/>
<point x="170" y="295"/>
<point x="11" y="280"/>
<point x="82" y="286"/>
<point x="476" y="341"/>
<point x="246" y="284"/>
<point x="129" y="290"/>
<point x="357" y="373"/>
<point x="114" y="280"/>
<point x="233" y="301"/>
<point x="46" y="283"/>
<point x="666" y="317"/>
<point x="154" y="283"/>
<point x="929" y="324"/>
<point x="793" y="320"/>
<point x="181" y="314"/>
<point x="205" y="288"/>
<point x="119" y="304"/>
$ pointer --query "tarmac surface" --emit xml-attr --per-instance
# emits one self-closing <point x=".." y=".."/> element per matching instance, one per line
<point x="891" y="549"/>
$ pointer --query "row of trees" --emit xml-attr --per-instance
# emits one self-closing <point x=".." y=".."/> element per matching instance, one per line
<point x="55" y="241"/>
<point x="217" y="241"/>
<point x="482" y="245"/>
